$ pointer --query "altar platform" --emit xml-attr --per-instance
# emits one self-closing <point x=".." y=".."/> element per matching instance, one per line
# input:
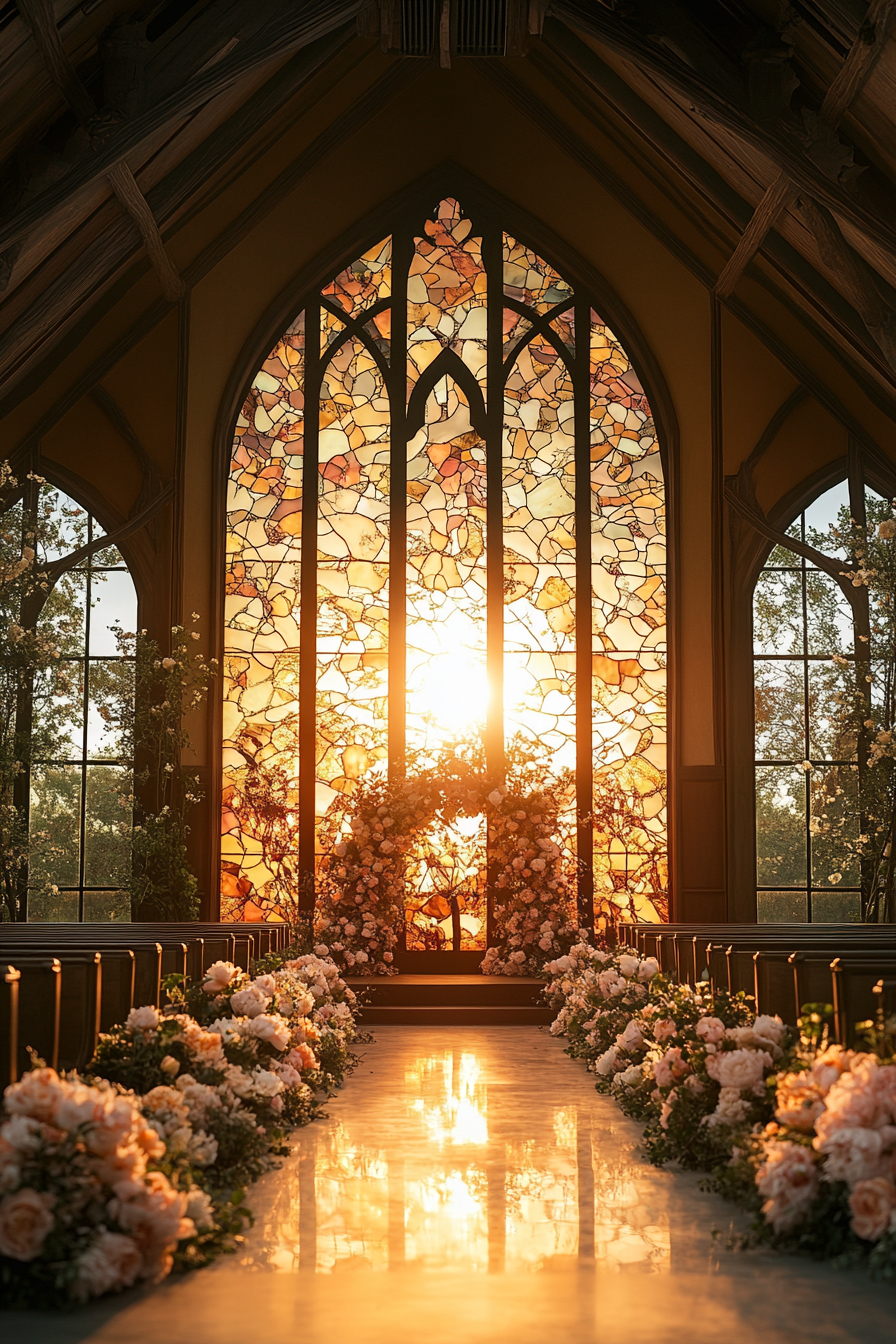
<point x="452" y="1000"/>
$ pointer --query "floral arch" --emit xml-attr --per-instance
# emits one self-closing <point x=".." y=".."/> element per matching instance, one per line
<point x="445" y="521"/>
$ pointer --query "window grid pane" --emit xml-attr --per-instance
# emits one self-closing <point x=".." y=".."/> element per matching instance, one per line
<point x="805" y="769"/>
<point x="79" y="848"/>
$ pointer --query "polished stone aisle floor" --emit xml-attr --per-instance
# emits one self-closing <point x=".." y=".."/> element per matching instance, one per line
<point x="470" y="1185"/>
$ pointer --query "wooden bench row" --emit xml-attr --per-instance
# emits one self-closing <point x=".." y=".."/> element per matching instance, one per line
<point x="784" y="966"/>
<point x="64" y="983"/>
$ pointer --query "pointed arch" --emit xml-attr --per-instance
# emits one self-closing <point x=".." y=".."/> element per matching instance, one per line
<point x="571" y="381"/>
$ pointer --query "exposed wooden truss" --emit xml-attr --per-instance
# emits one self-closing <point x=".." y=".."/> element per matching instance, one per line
<point x="231" y="68"/>
<point x="853" y="73"/>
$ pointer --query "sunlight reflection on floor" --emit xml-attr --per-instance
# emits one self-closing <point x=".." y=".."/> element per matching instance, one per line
<point x="448" y="1156"/>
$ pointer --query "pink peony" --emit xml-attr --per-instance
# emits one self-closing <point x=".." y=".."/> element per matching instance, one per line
<point x="766" y="1033"/>
<point x="154" y="1218"/>
<point x="883" y="1083"/>
<point x="799" y="1101"/>
<point x="710" y="1030"/>
<point x="80" y="1106"/>
<point x="663" y="1028"/>
<point x="851" y="1154"/>
<point x="25" y="1222"/>
<point x="23" y="1135"/>
<point x="830" y="1064"/>
<point x="671" y="1068"/>
<point x="113" y="1127"/>
<point x="112" y="1263"/>
<point x="731" y="1109"/>
<point x="852" y="1102"/>
<point x="873" y="1203"/>
<point x="788" y="1180"/>
<point x="37" y="1095"/>
<point x="738" y="1068"/>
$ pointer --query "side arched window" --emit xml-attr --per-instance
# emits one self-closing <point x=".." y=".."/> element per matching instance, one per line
<point x="811" y="660"/>
<point x="79" y="812"/>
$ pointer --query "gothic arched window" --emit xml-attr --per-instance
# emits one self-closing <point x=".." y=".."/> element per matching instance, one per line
<point x="446" y="514"/>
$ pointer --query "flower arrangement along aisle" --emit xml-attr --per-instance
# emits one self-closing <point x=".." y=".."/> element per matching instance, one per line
<point x="372" y="844"/>
<point x="141" y="1166"/>
<point x="801" y="1133"/>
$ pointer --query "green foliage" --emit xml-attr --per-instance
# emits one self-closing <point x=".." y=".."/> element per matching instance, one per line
<point x="852" y="715"/>
<point x="40" y="622"/>
<point x="149" y="709"/>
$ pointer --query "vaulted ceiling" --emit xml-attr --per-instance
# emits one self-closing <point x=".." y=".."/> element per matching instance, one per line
<point x="761" y="138"/>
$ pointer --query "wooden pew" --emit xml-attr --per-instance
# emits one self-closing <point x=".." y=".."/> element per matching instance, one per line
<point x="857" y="984"/>
<point x="40" y="986"/>
<point x="9" y="1025"/>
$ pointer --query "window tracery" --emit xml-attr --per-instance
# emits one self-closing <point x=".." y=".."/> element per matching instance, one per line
<point x="483" y="549"/>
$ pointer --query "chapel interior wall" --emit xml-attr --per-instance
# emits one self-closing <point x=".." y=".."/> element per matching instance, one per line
<point x="170" y="385"/>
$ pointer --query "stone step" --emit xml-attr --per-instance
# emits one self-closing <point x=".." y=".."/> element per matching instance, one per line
<point x="449" y="991"/>
<point x="451" y="1000"/>
<point x="435" y="1015"/>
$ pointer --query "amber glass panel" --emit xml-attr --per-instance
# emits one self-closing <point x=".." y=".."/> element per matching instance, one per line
<point x="353" y="569"/>
<point x="446" y="583"/>
<point x="538" y="493"/>
<point x="261" y="633"/>
<point x="628" y="582"/>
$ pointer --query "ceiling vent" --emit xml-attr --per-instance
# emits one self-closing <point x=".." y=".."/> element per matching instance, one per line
<point x="447" y="28"/>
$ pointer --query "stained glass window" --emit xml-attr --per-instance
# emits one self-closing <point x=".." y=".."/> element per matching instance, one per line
<point x="446" y="516"/>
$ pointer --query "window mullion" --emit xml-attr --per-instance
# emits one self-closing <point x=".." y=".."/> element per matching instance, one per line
<point x="308" y="603"/>
<point x="402" y="252"/>
<point x="494" y="505"/>
<point x="584" y="624"/>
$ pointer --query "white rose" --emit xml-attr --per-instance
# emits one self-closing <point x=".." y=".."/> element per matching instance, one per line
<point x="142" y="1019"/>
<point x="266" y="1084"/>
<point x="249" y="1002"/>
<point x="628" y="966"/>
<point x="218" y="976"/>
<point x="604" y="1064"/>
<point x="200" y="1209"/>
<point x="631" y="1038"/>
<point x="648" y="969"/>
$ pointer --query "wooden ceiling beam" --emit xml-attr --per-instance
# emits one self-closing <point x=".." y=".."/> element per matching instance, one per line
<point x="40" y="17"/>
<point x="725" y="107"/>
<point x="781" y="194"/>
<point x="296" y="26"/>
<point x="775" y="201"/>
<point x="173" y="200"/>
<point x="562" y="51"/>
